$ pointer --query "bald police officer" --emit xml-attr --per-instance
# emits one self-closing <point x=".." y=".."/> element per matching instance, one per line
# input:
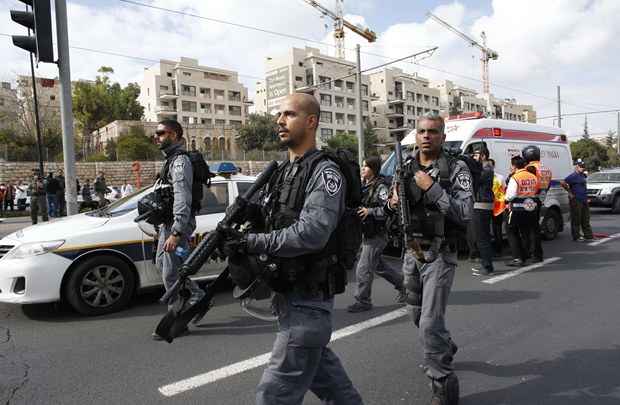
<point x="173" y="239"/>
<point x="440" y="189"/>
<point x="303" y="204"/>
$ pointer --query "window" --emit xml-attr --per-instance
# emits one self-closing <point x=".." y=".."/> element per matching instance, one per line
<point x="326" y="80"/>
<point x="215" y="199"/>
<point x="205" y="108"/>
<point x="326" y="133"/>
<point x="219" y="94"/>
<point x="206" y="121"/>
<point x="162" y="87"/>
<point x="364" y="89"/>
<point x="351" y="103"/>
<point x="205" y="92"/>
<point x="364" y="105"/>
<point x="350" y="87"/>
<point x="351" y="119"/>
<point x="188" y="90"/>
<point x="299" y="78"/>
<point x="326" y="116"/>
<point x="185" y="120"/>
<point x="234" y="110"/>
<point x="326" y="100"/>
<point x="1" y="101"/>
<point x="220" y="123"/>
<point x="187" y="74"/>
<point x="169" y="74"/>
<point x="435" y="100"/>
<point x="189" y="106"/>
<point x="339" y="119"/>
<point x="339" y="102"/>
<point x="149" y="106"/>
<point x="426" y="98"/>
<point x="301" y="64"/>
<point x="235" y="124"/>
<point x="338" y="85"/>
<point x="234" y="96"/>
<point x="52" y="97"/>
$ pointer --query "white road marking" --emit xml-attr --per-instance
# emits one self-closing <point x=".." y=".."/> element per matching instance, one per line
<point x="607" y="239"/>
<point x="521" y="270"/>
<point x="260" y="360"/>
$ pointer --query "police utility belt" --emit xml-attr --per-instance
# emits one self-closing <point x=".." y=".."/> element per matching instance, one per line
<point x="308" y="278"/>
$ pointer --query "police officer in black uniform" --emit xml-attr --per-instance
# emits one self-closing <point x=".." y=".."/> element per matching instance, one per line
<point x="303" y="204"/>
<point x="482" y="215"/>
<point x="375" y="192"/>
<point x="439" y="191"/>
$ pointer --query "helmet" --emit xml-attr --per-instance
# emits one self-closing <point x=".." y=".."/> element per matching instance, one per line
<point x="531" y="153"/>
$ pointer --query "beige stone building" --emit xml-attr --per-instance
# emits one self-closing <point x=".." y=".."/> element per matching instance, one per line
<point x="48" y="96"/>
<point x="299" y="68"/>
<point x="193" y="94"/>
<point x="456" y="99"/>
<point x="214" y="142"/>
<point x="9" y="107"/>
<point x="398" y="100"/>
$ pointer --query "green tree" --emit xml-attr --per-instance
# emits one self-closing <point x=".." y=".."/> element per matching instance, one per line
<point x="259" y="132"/>
<point x="609" y="139"/>
<point x="110" y="149"/>
<point x="21" y="146"/>
<point x="593" y="153"/>
<point x="613" y="158"/>
<point x="98" y="103"/>
<point x="135" y="145"/>
<point x="349" y="141"/>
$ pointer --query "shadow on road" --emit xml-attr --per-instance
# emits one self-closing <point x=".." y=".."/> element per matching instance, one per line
<point x="475" y="297"/>
<point x="578" y="377"/>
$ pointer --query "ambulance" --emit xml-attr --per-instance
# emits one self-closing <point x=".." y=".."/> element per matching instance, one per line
<point x="505" y="139"/>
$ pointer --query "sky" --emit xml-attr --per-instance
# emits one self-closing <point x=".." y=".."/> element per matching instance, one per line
<point x="541" y="43"/>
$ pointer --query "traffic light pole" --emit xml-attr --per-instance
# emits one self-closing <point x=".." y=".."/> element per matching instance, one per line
<point x="66" y="107"/>
<point x="360" y="111"/>
<point x="35" y="103"/>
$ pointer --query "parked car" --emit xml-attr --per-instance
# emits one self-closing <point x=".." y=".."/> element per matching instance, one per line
<point x="99" y="260"/>
<point x="604" y="189"/>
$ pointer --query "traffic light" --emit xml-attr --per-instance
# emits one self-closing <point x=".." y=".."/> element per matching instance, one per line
<point x="39" y="21"/>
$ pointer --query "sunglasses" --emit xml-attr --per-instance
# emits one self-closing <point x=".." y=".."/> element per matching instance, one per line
<point x="430" y="131"/>
<point x="160" y="132"/>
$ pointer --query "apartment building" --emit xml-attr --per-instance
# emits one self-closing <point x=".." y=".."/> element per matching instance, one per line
<point x="398" y="100"/>
<point x="9" y="107"/>
<point x="193" y="94"/>
<point x="48" y="96"/>
<point x="456" y="99"/>
<point x="299" y="68"/>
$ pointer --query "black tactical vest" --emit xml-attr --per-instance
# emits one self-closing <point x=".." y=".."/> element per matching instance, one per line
<point x="285" y="195"/>
<point x="370" y="199"/>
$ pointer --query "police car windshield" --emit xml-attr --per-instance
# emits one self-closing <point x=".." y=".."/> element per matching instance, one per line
<point x="123" y="205"/>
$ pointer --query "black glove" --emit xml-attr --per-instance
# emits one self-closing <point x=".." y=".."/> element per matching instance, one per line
<point x="236" y="211"/>
<point x="233" y="242"/>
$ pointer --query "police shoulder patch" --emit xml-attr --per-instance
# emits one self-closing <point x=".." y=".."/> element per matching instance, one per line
<point x="383" y="194"/>
<point x="464" y="180"/>
<point x="332" y="181"/>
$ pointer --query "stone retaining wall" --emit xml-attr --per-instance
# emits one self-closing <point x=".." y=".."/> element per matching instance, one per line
<point x="116" y="173"/>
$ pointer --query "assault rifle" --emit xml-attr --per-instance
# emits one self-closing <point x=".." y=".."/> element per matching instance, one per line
<point x="176" y="319"/>
<point x="410" y="236"/>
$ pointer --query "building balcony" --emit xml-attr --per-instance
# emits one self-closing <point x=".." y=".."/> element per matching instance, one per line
<point x="396" y="101"/>
<point x="165" y="110"/>
<point x="397" y="113"/>
<point x="394" y="129"/>
<point x="236" y="99"/>
<point x="168" y="95"/>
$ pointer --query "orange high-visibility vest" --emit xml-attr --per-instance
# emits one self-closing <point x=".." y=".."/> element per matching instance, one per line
<point x="527" y="183"/>
<point x="543" y="174"/>
<point x="499" y="196"/>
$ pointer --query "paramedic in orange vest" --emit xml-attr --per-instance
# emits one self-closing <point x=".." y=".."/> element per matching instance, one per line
<point x="522" y="217"/>
<point x="531" y="154"/>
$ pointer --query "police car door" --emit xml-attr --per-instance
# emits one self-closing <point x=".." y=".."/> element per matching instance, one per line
<point x="214" y="202"/>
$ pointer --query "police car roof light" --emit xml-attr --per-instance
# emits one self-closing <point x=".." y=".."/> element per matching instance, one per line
<point x="224" y="168"/>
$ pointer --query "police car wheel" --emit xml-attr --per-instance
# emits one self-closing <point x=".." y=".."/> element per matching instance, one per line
<point x="100" y="285"/>
<point x="551" y="225"/>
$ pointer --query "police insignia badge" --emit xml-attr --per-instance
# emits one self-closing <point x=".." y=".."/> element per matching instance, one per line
<point x="332" y="181"/>
<point x="383" y="194"/>
<point x="464" y="180"/>
<point x="178" y="167"/>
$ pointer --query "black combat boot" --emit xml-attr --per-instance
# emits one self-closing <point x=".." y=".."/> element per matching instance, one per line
<point x="445" y="390"/>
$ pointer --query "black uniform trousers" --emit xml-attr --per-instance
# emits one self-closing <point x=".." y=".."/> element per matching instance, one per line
<point x="522" y="226"/>
<point x="536" y="243"/>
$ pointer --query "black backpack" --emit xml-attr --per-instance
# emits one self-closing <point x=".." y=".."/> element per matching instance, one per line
<point x="201" y="176"/>
<point x="349" y="230"/>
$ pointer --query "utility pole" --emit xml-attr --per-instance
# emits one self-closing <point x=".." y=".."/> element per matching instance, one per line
<point x="66" y="107"/>
<point x="360" y="116"/>
<point x="35" y="103"/>
<point x="559" y="110"/>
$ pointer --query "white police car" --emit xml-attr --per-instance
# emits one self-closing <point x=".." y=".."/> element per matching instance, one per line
<point x="97" y="261"/>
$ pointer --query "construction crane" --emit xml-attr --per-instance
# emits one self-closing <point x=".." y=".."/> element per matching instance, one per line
<point x="487" y="54"/>
<point x="340" y="23"/>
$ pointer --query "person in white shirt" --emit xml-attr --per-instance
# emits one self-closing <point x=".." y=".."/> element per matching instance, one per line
<point x="21" y="194"/>
<point x="126" y="189"/>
